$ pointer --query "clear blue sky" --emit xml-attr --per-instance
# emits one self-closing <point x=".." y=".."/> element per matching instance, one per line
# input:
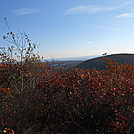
<point x="72" y="28"/>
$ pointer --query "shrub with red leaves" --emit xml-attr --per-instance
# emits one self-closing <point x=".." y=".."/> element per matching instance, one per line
<point x="72" y="101"/>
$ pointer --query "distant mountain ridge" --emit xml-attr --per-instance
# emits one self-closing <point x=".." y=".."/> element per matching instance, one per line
<point x="96" y="62"/>
<point x="82" y="58"/>
<point x="69" y="63"/>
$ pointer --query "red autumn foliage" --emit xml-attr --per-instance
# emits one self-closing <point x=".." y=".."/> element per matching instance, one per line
<point x="37" y="98"/>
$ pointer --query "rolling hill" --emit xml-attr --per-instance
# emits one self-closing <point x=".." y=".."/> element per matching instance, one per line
<point x="96" y="62"/>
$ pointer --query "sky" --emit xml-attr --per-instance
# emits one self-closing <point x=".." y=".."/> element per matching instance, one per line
<point x="72" y="28"/>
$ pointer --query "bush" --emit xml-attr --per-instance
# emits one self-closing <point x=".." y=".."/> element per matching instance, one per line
<point x="73" y="101"/>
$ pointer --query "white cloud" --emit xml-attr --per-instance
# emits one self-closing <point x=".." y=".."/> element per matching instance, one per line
<point x="90" y="42"/>
<point x="126" y="3"/>
<point x="105" y="28"/>
<point x="87" y="9"/>
<point x="90" y="9"/>
<point x="24" y="11"/>
<point x="125" y="15"/>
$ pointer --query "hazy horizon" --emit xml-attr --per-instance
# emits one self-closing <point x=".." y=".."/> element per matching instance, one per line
<point x="70" y="28"/>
